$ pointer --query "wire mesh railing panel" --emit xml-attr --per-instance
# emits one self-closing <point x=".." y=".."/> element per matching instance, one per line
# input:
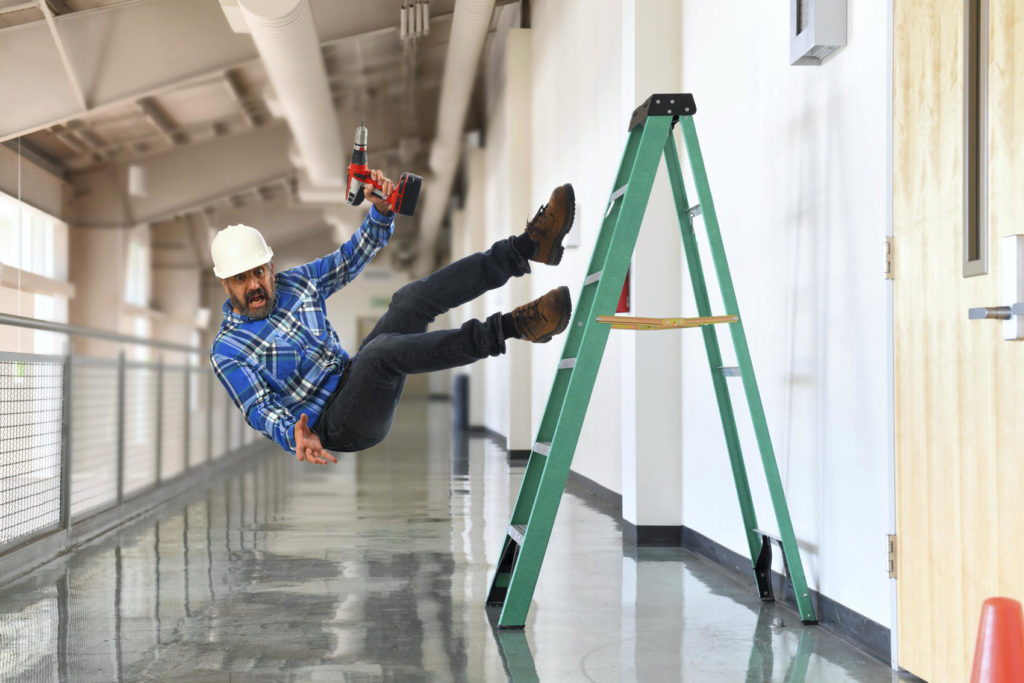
<point x="31" y="423"/>
<point x="94" y="404"/>
<point x="248" y="433"/>
<point x="235" y="422"/>
<point x="221" y="407"/>
<point x="140" y="416"/>
<point x="198" y="416"/>
<point x="172" y="422"/>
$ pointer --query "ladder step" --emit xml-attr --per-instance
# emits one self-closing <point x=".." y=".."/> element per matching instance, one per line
<point x="592" y="278"/>
<point x="731" y="371"/>
<point x="771" y="536"/>
<point x="615" y="195"/>
<point x="541" y="447"/>
<point x="567" y="364"/>
<point x="517" y="532"/>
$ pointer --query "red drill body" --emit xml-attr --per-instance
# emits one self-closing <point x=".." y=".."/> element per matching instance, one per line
<point x="402" y="199"/>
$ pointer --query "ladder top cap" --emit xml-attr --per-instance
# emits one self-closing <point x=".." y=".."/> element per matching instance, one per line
<point x="669" y="104"/>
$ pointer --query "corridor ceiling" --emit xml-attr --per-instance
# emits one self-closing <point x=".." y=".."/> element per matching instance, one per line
<point x="95" y="87"/>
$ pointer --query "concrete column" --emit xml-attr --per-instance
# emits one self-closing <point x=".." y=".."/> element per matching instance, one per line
<point x="476" y="240"/>
<point x="460" y="247"/>
<point x="176" y="293"/>
<point x="652" y="361"/>
<point x="518" y="80"/>
<point x="97" y="268"/>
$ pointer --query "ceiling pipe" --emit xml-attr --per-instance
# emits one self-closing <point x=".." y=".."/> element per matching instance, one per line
<point x="469" y="30"/>
<point x="289" y="48"/>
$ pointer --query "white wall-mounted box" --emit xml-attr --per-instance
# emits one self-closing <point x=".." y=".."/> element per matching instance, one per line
<point x="817" y="29"/>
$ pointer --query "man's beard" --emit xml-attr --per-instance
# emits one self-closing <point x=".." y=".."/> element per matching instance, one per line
<point x="263" y="311"/>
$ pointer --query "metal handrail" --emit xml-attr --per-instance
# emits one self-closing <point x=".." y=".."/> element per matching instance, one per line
<point x="47" y="326"/>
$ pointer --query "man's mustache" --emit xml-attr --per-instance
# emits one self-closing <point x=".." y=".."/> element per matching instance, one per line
<point x="255" y="294"/>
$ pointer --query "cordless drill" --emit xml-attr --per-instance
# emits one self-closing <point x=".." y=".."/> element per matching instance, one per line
<point x="401" y="200"/>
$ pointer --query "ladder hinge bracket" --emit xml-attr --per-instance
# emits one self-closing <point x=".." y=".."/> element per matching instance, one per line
<point x="889" y="259"/>
<point x="892" y="555"/>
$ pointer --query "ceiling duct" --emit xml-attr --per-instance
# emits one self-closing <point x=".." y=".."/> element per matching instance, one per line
<point x="469" y="29"/>
<point x="289" y="48"/>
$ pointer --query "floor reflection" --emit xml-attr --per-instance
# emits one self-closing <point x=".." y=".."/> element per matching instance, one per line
<point x="377" y="569"/>
<point x="100" y="613"/>
<point x="515" y="650"/>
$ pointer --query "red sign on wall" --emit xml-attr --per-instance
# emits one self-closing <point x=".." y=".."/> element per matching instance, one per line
<point x="623" y="306"/>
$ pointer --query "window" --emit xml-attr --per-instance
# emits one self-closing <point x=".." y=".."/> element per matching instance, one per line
<point x="35" y="242"/>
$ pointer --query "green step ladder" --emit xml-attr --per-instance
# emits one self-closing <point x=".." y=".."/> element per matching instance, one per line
<point x="650" y="137"/>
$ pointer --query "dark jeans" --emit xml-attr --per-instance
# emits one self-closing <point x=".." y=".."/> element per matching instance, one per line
<point x="359" y="414"/>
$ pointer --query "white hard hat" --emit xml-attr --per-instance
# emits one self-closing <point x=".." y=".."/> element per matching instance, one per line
<point x="238" y="248"/>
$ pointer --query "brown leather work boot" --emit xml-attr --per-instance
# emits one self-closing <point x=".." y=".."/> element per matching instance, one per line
<point x="551" y="224"/>
<point x="543" y="318"/>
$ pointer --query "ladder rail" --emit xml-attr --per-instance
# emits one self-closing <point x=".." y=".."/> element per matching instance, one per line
<point x="753" y="395"/>
<point x="588" y="349"/>
<point x="713" y="352"/>
<point x="545" y="431"/>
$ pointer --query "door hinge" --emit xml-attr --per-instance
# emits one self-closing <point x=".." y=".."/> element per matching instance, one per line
<point x="892" y="555"/>
<point x="888" y="258"/>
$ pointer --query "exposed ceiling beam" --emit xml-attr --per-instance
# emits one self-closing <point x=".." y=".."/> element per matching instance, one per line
<point x="19" y="7"/>
<point x="64" y="58"/>
<point x="121" y="53"/>
<point x="38" y="157"/>
<point x="183" y="179"/>
<point x="156" y="115"/>
<point x="234" y="84"/>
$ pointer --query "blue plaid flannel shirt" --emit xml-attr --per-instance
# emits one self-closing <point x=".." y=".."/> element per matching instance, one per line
<point x="290" y="363"/>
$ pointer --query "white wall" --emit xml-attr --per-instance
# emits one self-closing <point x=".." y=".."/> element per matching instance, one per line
<point x="797" y="162"/>
<point x="579" y="132"/>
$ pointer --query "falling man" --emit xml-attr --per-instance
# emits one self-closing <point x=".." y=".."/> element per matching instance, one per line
<point x="282" y="362"/>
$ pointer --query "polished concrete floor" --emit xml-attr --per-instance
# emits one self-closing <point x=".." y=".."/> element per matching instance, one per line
<point x="376" y="569"/>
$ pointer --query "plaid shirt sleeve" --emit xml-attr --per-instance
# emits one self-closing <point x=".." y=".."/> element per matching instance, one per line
<point x="334" y="271"/>
<point x="261" y="407"/>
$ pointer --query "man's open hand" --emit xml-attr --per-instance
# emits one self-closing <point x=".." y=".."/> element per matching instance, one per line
<point x="307" y="444"/>
<point x="387" y="187"/>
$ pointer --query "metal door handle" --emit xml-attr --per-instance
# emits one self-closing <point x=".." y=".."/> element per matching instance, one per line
<point x="1012" y="286"/>
<point x="990" y="313"/>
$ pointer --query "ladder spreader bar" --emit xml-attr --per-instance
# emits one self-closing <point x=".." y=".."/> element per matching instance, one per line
<point x="731" y="371"/>
<point x="695" y="211"/>
<point x="566" y="363"/>
<point x="542" y="448"/>
<point x="592" y="278"/>
<point x="517" y="532"/>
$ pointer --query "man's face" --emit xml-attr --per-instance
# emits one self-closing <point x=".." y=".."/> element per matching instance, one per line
<point x="252" y="292"/>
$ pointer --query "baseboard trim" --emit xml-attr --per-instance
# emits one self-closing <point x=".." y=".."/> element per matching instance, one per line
<point x="649" y="535"/>
<point x="585" y="486"/>
<point x="518" y="455"/>
<point x="867" y="635"/>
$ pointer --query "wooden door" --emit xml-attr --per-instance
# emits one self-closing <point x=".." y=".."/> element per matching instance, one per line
<point x="959" y="388"/>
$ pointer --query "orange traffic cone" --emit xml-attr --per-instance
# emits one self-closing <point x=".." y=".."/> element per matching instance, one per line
<point x="999" y="653"/>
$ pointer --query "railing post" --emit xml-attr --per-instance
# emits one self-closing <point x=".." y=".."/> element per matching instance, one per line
<point x="160" y="420"/>
<point x="209" y="418"/>
<point x="188" y="417"/>
<point x="121" y="427"/>
<point x="65" y="445"/>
